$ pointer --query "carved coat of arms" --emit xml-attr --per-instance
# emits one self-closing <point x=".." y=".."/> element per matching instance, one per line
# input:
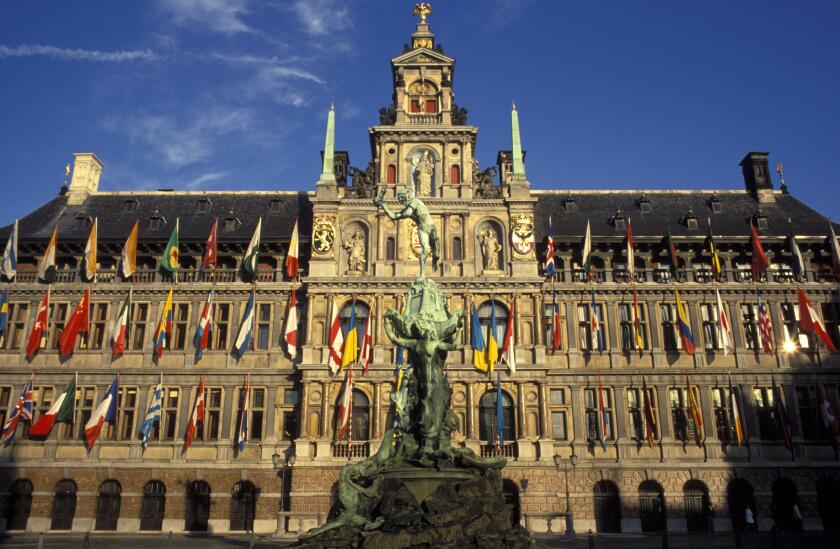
<point x="522" y="234"/>
<point x="323" y="233"/>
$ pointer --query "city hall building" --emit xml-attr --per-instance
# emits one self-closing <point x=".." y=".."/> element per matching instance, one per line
<point x="575" y="417"/>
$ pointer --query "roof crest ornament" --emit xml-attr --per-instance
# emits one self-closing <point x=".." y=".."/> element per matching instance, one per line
<point x="422" y="9"/>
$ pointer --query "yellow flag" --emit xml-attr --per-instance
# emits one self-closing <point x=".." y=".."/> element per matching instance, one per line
<point x="90" y="252"/>
<point x="128" y="260"/>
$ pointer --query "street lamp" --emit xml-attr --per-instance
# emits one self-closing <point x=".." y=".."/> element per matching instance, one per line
<point x="281" y="463"/>
<point x="570" y="517"/>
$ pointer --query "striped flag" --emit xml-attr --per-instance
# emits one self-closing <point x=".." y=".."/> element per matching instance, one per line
<point x="171" y="260"/>
<point x="809" y="321"/>
<point x="246" y="330"/>
<point x="477" y="343"/>
<point x="596" y="325"/>
<point x="4" y="311"/>
<point x="765" y="326"/>
<point x="21" y="411"/>
<point x="105" y="411"/>
<point x="350" y="353"/>
<point x="508" y="354"/>
<point x="694" y="407"/>
<point x="249" y="262"/>
<point x="367" y="342"/>
<point x="736" y="414"/>
<point x="716" y="264"/>
<point x="152" y="414"/>
<point x="292" y="326"/>
<point x="724" y="326"/>
<point x="492" y="344"/>
<point x="294" y="252"/>
<point x="163" y="334"/>
<point x="205" y="325"/>
<point x="637" y="323"/>
<point x="682" y="323"/>
<point x="345" y="409"/>
<point x="119" y="330"/>
<point x="555" y="326"/>
<point x="8" y="264"/>
<point x="197" y="415"/>
<point x="90" y="251"/>
<point x="602" y="415"/>
<point x="62" y="410"/>
<point x="46" y="266"/>
<point x="242" y="434"/>
<point x="336" y="341"/>
<point x="42" y="318"/>
<point x="648" y="414"/>
<point x="549" y="266"/>
<point x="128" y="257"/>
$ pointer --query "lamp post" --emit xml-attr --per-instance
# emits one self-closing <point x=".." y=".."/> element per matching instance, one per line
<point x="281" y="463"/>
<point x="570" y="517"/>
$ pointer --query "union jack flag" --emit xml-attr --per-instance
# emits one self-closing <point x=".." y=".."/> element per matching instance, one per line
<point x="765" y="326"/>
<point x="22" y="410"/>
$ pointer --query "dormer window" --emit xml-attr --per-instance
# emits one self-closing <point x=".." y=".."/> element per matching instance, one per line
<point x="203" y="206"/>
<point x="716" y="204"/>
<point x="156" y="222"/>
<point x="130" y="205"/>
<point x="619" y="222"/>
<point x="569" y="204"/>
<point x="644" y="204"/>
<point x="83" y="221"/>
<point x="760" y="220"/>
<point x="275" y="206"/>
<point x="690" y="221"/>
<point x="231" y="224"/>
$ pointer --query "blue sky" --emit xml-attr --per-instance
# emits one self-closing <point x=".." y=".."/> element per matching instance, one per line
<point x="232" y="94"/>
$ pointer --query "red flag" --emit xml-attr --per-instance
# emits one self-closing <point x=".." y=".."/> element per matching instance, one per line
<point x="291" y="327"/>
<point x="294" y="252"/>
<point x="345" y="409"/>
<point x="555" y="327"/>
<point x="809" y="321"/>
<point x="211" y="252"/>
<point x="826" y="414"/>
<point x="197" y="415"/>
<point x="41" y="320"/>
<point x="79" y="322"/>
<point x="760" y="262"/>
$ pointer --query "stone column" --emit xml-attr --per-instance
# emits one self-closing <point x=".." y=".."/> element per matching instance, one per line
<point x="325" y="391"/>
<point x="470" y="412"/>
<point x="445" y="244"/>
<point x="520" y="401"/>
<point x="307" y="334"/>
<point x="662" y="396"/>
<point x="517" y="320"/>
<point x="304" y="412"/>
<point x="619" y="393"/>
<point x="538" y="320"/>
<point x="378" y="336"/>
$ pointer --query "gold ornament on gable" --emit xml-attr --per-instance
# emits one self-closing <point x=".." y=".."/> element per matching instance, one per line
<point x="522" y="234"/>
<point x="323" y="233"/>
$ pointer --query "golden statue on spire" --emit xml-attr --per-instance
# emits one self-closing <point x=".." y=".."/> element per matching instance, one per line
<point x="422" y="9"/>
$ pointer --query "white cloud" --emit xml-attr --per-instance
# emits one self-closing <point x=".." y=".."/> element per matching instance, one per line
<point x="201" y="181"/>
<point x="320" y="17"/>
<point x="280" y="83"/>
<point x="72" y="54"/>
<point x="272" y="65"/>
<point x="225" y="16"/>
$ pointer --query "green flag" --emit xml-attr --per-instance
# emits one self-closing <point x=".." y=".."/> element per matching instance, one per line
<point x="249" y="262"/>
<point x="171" y="254"/>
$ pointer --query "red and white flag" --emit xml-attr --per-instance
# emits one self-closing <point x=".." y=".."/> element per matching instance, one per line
<point x="765" y="326"/>
<point x="724" y="325"/>
<point x="78" y="323"/>
<point x="809" y="321"/>
<point x="294" y="252"/>
<point x="367" y="344"/>
<point x="211" y="251"/>
<point x="508" y="355"/>
<point x="120" y="328"/>
<point x="336" y="341"/>
<point x="292" y="326"/>
<point x="105" y="411"/>
<point x="197" y="415"/>
<point x="205" y="323"/>
<point x="345" y="409"/>
<point x="41" y="321"/>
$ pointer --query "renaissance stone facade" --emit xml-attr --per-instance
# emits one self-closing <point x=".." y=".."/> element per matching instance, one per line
<point x="352" y="255"/>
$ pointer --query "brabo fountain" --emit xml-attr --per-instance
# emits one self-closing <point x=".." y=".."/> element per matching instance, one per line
<point x="418" y="490"/>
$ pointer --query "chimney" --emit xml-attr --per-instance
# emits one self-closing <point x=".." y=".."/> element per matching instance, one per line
<point x="757" y="177"/>
<point x="87" y="169"/>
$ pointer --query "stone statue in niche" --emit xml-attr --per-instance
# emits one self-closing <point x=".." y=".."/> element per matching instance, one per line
<point x="490" y="248"/>
<point x="424" y="172"/>
<point x="364" y="185"/>
<point x="356" y="252"/>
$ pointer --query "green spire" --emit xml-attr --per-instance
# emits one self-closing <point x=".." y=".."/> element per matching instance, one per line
<point x="518" y="166"/>
<point x="329" y="146"/>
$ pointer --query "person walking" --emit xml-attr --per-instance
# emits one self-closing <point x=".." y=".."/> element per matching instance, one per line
<point x="749" y="519"/>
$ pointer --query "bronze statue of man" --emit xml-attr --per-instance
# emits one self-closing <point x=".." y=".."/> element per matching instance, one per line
<point x="415" y="210"/>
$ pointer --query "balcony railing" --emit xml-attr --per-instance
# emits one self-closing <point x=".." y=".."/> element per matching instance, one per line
<point x="350" y="450"/>
<point x="492" y="449"/>
<point x="424" y="118"/>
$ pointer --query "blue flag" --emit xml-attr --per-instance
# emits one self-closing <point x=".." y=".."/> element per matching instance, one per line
<point x="246" y="330"/>
<point x="152" y="415"/>
<point x="4" y="311"/>
<point x="477" y="343"/>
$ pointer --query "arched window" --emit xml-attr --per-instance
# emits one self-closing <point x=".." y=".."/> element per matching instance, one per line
<point x="64" y="505"/>
<point x="457" y="249"/>
<point x="361" y="416"/>
<point x="828" y="502"/>
<point x="19" y="504"/>
<point x="696" y="500"/>
<point x="362" y="311"/>
<point x="455" y="174"/>
<point x="485" y="317"/>
<point x="108" y="505"/>
<point x="154" y="504"/>
<point x="740" y="496"/>
<point x="198" y="506"/>
<point x="391" y="174"/>
<point x="243" y="506"/>
<point x="607" y="507"/>
<point x="487" y="428"/>
<point x="390" y="249"/>
<point x="652" y="506"/>
<point x="785" y="499"/>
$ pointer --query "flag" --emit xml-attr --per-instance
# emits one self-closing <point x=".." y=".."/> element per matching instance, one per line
<point x="351" y="341"/>
<point x="46" y="266"/>
<point x="508" y="354"/>
<point x="41" y="322"/>
<point x="128" y="258"/>
<point x="500" y="416"/>
<point x="292" y="326"/>
<point x="602" y="415"/>
<point x="694" y="406"/>
<point x="765" y="326"/>
<point x="809" y="321"/>
<point x="760" y="261"/>
<point x="152" y="414"/>
<point x="62" y="411"/>
<point x="716" y="264"/>
<point x="596" y="324"/>
<point x="492" y="345"/>
<point x="211" y="249"/>
<point x="345" y="409"/>
<point x="648" y="414"/>
<point x="105" y="411"/>
<point x="79" y="322"/>
<point x="736" y="414"/>
<point x="249" y="262"/>
<point x="242" y="435"/>
<point x="205" y="325"/>
<point x="549" y="267"/>
<point x="781" y="412"/>
<point x="22" y="410"/>
<point x="835" y="248"/>
<point x="637" y="322"/>
<point x="367" y="341"/>
<point x="685" y="330"/>
<point x="163" y="334"/>
<point x="586" y="252"/>
<point x="197" y="415"/>
<point x="119" y="330"/>
<point x="798" y="260"/>
<point x="336" y="341"/>
<point x="827" y="415"/>
<point x="4" y="311"/>
<point x="246" y="330"/>
<point x="294" y="252"/>
<point x="90" y="251"/>
<point x="477" y="343"/>
<point x="724" y="326"/>
<point x="171" y="260"/>
<point x="631" y="256"/>
<point x="8" y="265"/>
<point x="555" y="326"/>
<point x="673" y="258"/>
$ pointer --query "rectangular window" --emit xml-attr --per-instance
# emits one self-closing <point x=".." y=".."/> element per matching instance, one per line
<point x="127" y="412"/>
<point x="58" y="316"/>
<point x="724" y="421"/>
<point x="588" y="337"/>
<point x="768" y="424"/>
<point x="593" y="422"/>
<point x="85" y="401"/>
<point x="167" y="427"/>
<point x="790" y="327"/>
<point x="558" y="425"/>
<point x="809" y="414"/>
<point x="558" y="397"/>
<point x="263" y="335"/>
<point x="210" y="428"/>
<point x="749" y="322"/>
<point x="636" y="411"/>
<point x="139" y="319"/>
<point x="681" y="416"/>
<point x="711" y="334"/>
<point x="16" y="325"/>
<point x="180" y="316"/>
<point x="831" y="319"/>
<point x="415" y="105"/>
<point x="548" y="325"/>
<point x="627" y="320"/>
<point x="288" y="414"/>
<point x="43" y="399"/>
<point x="98" y="327"/>
<point x="218" y="338"/>
<point x="671" y="340"/>
<point x="257" y="414"/>
<point x="560" y="412"/>
<point x="5" y="397"/>
<point x="431" y="106"/>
